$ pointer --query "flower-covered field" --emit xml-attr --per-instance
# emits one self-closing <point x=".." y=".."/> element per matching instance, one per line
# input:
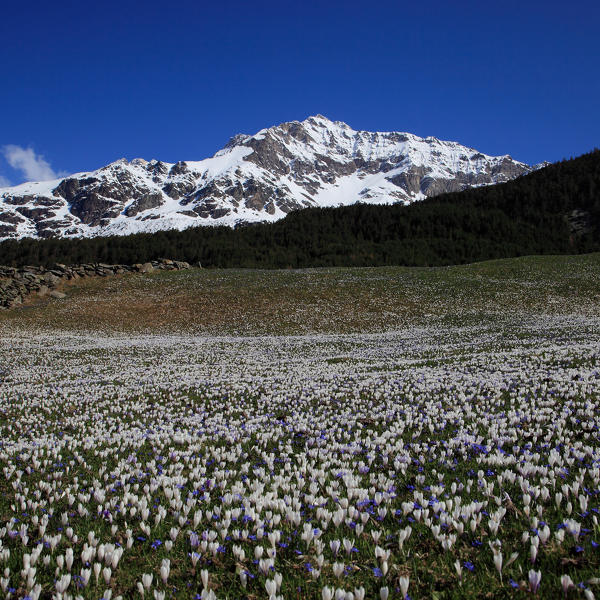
<point x="430" y="462"/>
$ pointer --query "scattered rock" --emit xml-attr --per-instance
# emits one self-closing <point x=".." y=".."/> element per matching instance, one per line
<point x="18" y="283"/>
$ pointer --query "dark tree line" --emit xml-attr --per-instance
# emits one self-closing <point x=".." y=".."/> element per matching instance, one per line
<point x="530" y="215"/>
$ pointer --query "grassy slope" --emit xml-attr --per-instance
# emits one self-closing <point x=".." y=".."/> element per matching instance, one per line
<point x="320" y="300"/>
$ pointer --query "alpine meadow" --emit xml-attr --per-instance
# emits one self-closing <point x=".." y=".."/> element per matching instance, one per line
<point x="280" y="316"/>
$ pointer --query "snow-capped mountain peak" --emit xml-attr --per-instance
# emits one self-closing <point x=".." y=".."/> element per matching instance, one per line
<point x="260" y="177"/>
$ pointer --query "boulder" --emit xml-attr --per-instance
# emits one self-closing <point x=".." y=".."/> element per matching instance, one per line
<point x="58" y="295"/>
<point x="51" y="279"/>
<point x="146" y="268"/>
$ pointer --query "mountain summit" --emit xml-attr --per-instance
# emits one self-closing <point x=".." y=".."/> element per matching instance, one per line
<point x="316" y="162"/>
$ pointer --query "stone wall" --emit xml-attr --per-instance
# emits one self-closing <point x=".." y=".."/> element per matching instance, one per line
<point x="16" y="284"/>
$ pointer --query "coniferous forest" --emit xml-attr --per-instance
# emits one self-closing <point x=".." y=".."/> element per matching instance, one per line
<point x="555" y="210"/>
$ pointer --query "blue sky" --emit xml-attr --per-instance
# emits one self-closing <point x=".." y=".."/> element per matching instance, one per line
<point x="84" y="84"/>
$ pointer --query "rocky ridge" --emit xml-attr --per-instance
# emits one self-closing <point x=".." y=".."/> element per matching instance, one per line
<point x="16" y="284"/>
<point x="316" y="162"/>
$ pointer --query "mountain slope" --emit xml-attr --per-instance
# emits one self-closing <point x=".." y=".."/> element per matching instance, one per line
<point x="313" y="163"/>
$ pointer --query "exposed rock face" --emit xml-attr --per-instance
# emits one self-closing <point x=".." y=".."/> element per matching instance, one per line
<point x="580" y="221"/>
<point x="262" y="177"/>
<point x="144" y="203"/>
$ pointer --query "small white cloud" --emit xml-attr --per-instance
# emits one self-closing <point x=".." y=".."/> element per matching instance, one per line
<point x="33" y="166"/>
<point x="4" y="182"/>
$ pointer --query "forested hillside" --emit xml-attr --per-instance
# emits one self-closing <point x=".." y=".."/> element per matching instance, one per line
<point x="555" y="210"/>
